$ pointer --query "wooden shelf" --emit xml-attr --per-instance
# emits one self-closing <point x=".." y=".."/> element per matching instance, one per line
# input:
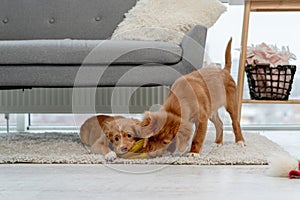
<point x="292" y="101"/>
<point x="274" y="5"/>
<point x="257" y="6"/>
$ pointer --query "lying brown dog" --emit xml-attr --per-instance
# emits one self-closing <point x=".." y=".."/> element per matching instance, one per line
<point x="194" y="99"/>
<point x="98" y="131"/>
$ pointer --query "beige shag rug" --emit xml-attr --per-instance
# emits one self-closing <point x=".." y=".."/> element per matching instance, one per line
<point x="66" y="148"/>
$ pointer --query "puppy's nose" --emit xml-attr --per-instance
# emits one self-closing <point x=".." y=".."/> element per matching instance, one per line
<point x="124" y="149"/>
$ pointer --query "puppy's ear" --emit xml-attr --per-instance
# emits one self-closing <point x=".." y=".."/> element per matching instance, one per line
<point x="106" y="126"/>
<point x="146" y="120"/>
<point x="150" y="121"/>
<point x="135" y="121"/>
<point x="136" y="130"/>
<point x="145" y="128"/>
<point x="107" y="129"/>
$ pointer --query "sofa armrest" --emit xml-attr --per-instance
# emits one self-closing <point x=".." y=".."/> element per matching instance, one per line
<point x="193" y="46"/>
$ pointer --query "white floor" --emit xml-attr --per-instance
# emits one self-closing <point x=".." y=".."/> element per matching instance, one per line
<point x="26" y="181"/>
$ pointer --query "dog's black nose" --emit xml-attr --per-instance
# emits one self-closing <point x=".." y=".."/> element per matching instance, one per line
<point x="124" y="149"/>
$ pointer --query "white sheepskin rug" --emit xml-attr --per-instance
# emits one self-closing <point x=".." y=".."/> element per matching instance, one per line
<point x="167" y="20"/>
<point x="66" y="148"/>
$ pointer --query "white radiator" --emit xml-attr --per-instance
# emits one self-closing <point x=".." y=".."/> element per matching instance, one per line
<point x="82" y="100"/>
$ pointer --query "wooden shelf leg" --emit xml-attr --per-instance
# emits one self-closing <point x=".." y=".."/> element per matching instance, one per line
<point x="241" y="73"/>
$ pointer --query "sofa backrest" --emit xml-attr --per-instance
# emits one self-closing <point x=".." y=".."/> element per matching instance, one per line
<point x="58" y="19"/>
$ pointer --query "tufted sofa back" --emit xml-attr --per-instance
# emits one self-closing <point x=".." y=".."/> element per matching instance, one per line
<point x="59" y="19"/>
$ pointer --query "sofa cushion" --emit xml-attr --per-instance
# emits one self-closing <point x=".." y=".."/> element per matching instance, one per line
<point x="167" y="20"/>
<point x="76" y="52"/>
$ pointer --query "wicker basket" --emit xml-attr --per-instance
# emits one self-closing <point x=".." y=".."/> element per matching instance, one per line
<point x="270" y="83"/>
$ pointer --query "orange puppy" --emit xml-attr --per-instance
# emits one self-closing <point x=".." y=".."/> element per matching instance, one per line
<point x="98" y="131"/>
<point x="194" y="99"/>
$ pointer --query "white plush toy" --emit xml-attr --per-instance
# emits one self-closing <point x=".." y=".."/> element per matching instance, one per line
<point x="284" y="166"/>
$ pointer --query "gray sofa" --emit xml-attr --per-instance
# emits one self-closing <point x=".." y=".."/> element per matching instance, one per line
<point x="65" y="44"/>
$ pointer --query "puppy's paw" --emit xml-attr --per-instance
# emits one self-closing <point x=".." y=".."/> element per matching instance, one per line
<point x="111" y="156"/>
<point x="193" y="155"/>
<point x="241" y="143"/>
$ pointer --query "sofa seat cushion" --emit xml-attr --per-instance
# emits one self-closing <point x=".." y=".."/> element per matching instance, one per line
<point x="104" y="52"/>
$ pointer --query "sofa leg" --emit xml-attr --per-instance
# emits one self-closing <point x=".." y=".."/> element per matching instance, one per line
<point x="6" y="116"/>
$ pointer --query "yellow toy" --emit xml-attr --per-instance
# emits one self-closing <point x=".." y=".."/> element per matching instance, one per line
<point x="136" y="152"/>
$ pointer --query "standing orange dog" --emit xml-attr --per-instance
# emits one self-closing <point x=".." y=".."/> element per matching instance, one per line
<point x="194" y="99"/>
<point x="98" y="131"/>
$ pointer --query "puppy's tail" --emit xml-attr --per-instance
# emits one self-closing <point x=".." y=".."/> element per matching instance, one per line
<point x="228" y="56"/>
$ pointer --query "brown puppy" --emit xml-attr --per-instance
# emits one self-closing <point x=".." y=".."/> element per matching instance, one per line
<point x="98" y="131"/>
<point x="194" y="99"/>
